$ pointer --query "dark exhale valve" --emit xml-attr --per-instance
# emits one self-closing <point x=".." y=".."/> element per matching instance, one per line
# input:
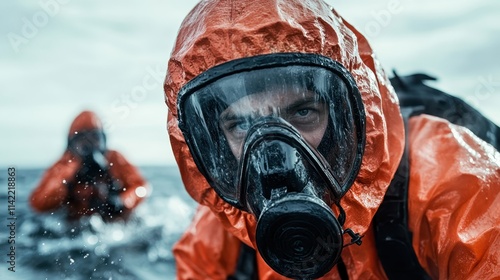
<point x="299" y="237"/>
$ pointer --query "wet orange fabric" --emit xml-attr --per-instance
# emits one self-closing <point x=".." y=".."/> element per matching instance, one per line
<point x="86" y="120"/>
<point x="52" y="191"/>
<point x="454" y="206"/>
<point x="216" y="31"/>
<point x="215" y="250"/>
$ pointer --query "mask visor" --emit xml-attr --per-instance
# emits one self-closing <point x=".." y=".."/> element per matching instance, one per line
<point x="313" y="94"/>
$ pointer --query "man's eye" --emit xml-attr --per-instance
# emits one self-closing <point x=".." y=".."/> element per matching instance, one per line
<point x="237" y="126"/>
<point x="244" y="125"/>
<point x="303" y="112"/>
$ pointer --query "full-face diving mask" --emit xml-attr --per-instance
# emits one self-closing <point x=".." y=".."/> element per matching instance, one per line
<point x="84" y="143"/>
<point x="280" y="136"/>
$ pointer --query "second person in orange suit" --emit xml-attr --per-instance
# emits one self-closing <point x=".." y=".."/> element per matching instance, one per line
<point x="89" y="178"/>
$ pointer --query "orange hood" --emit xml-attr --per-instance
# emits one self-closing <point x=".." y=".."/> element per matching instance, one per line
<point x="217" y="31"/>
<point x="86" y="120"/>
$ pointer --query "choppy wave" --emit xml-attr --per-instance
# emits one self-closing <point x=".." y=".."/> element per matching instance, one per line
<point x="50" y="247"/>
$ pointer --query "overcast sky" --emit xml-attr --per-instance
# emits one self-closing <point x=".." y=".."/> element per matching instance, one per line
<point x="59" y="57"/>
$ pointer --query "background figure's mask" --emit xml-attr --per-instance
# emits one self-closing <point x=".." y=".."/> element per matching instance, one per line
<point x="293" y="124"/>
<point x="86" y="142"/>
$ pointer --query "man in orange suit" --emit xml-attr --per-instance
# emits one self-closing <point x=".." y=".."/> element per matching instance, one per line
<point x="89" y="178"/>
<point x="288" y="133"/>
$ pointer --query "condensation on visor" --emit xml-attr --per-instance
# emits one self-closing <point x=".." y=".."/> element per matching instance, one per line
<point x="313" y="93"/>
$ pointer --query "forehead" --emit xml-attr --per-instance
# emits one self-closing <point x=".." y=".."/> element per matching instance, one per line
<point x="274" y="99"/>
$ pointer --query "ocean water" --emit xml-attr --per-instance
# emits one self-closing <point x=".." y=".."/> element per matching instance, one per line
<point x="49" y="247"/>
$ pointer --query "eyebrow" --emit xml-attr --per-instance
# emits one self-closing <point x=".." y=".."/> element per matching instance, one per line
<point x="232" y="116"/>
<point x="307" y="101"/>
<point x="229" y="116"/>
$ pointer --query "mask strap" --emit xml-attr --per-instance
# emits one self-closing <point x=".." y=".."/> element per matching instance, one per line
<point x="355" y="237"/>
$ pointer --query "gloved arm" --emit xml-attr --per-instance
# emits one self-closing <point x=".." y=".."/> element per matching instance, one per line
<point x="94" y="179"/>
<point x="134" y="188"/>
<point x="52" y="191"/>
<point x="96" y="170"/>
<point x="114" y="203"/>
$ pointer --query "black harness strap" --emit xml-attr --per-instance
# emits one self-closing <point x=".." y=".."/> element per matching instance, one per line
<point x="246" y="268"/>
<point x="392" y="237"/>
<point x="342" y="269"/>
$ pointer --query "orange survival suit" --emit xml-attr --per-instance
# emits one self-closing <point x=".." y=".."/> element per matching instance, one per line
<point x="454" y="200"/>
<point x="61" y="187"/>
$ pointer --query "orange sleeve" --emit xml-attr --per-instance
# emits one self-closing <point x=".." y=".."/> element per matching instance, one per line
<point x="52" y="190"/>
<point x="135" y="187"/>
<point x="454" y="201"/>
<point x="206" y="250"/>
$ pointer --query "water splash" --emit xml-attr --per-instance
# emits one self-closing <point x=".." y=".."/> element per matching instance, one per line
<point x="93" y="249"/>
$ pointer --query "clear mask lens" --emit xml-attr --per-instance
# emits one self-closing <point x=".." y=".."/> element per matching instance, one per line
<point x="321" y="103"/>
